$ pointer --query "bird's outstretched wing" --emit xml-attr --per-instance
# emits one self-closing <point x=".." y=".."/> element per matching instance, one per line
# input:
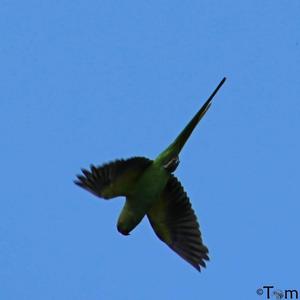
<point x="113" y="179"/>
<point x="175" y="223"/>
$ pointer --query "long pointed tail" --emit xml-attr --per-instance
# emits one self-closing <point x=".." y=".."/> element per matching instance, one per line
<point x="174" y="149"/>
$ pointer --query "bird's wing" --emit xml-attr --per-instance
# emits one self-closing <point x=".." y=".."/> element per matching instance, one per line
<point x="175" y="223"/>
<point x="113" y="179"/>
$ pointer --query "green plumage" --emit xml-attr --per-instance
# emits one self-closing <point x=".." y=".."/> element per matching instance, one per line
<point x="151" y="189"/>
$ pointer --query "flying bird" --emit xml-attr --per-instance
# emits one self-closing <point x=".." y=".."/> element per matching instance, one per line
<point x="152" y="190"/>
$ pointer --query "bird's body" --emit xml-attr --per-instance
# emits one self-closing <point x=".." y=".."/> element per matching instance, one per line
<point x="151" y="189"/>
<point x="145" y="193"/>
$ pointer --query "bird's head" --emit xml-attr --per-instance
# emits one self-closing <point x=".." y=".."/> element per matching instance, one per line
<point x="123" y="229"/>
<point x="128" y="219"/>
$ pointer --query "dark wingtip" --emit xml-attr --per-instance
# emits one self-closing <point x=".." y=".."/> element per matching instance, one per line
<point x="205" y="256"/>
<point x="86" y="172"/>
<point x="78" y="182"/>
<point x="197" y="267"/>
<point x="93" y="169"/>
<point x="80" y="179"/>
<point x="202" y="263"/>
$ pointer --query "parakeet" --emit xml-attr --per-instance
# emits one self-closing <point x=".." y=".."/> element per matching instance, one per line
<point x="152" y="190"/>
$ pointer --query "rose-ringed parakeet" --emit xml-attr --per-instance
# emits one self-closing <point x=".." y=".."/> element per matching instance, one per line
<point x="152" y="190"/>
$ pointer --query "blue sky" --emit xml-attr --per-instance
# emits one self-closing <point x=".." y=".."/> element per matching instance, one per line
<point x="88" y="82"/>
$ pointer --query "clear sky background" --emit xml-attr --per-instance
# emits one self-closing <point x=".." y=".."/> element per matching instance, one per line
<point x="90" y="81"/>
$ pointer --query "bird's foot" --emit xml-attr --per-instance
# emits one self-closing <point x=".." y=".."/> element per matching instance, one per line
<point x="172" y="165"/>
